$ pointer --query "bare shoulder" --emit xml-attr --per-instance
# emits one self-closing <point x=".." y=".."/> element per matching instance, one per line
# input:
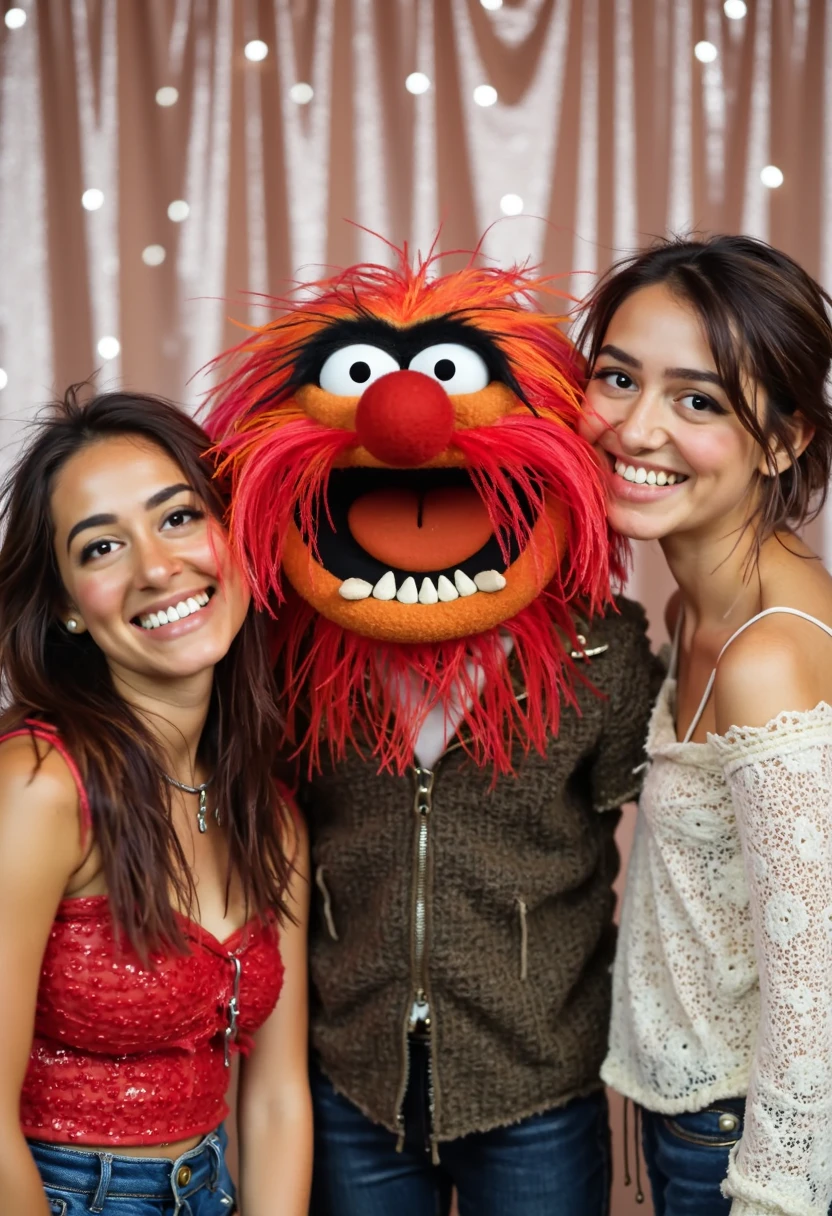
<point x="773" y="666"/>
<point x="39" y="808"/>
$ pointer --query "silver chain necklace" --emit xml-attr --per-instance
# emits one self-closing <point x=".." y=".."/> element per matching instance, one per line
<point x="202" y="809"/>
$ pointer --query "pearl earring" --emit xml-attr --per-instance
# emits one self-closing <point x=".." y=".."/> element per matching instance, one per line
<point x="72" y="624"/>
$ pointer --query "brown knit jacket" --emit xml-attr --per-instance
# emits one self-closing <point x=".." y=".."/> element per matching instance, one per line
<point x="519" y="929"/>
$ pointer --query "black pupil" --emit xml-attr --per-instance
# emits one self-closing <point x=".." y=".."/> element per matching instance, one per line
<point x="360" y="372"/>
<point x="444" y="369"/>
<point x="622" y="380"/>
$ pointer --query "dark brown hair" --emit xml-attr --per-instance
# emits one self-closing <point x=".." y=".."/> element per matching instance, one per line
<point x="765" y="319"/>
<point x="63" y="679"/>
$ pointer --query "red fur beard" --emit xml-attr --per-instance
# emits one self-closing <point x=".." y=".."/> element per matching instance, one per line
<point x="340" y="687"/>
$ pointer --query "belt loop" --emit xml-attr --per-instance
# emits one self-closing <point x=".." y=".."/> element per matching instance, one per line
<point x="105" y="1160"/>
<point x="214" y="1143"/>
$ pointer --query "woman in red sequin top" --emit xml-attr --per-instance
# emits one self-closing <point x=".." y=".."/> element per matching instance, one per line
<point x="153" y="879"/>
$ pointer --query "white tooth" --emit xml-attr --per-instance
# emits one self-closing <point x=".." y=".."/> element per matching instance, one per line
<point x="355" y="589"/>
<point x="162" y="616"/>
<point x="651" y="478"/>
<point x="153" y="620"/>
<point x="671" y="479"/>
<point x="620" y="466"/>
<point x="192" y="604"/>
<point x="630" y="473"/>
<point x="427" y="592"/>
<point x="447" y="591"/>
<point x="172" y="613"/>
<point x="407" y="593"/>
<point x="641" y="475"/>
<point x="661" y="478"/>
<point x="385" y="588"/>
<point x="144" y="621"/>
<point x="489" y="580"/>
<point x="464" y="585"/>
<point x="183" y="609"/>
<point x="202" y="599"/>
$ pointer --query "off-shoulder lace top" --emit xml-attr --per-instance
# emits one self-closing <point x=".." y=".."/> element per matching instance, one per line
<point x="723" y="978"/>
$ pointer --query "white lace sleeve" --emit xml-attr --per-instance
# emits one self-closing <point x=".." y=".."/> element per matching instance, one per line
<point x="780" y="777"/>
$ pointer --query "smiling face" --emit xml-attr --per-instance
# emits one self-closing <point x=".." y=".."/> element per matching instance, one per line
<point x="679" y="459"/>
<point x="146" y="570"/>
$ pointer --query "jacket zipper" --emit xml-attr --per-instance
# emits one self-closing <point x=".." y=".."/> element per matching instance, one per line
<point x="418" y="1018"/>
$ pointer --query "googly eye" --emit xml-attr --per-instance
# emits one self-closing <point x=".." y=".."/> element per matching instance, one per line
<point x="349" y="371"/>
<point x="459" y="369"/>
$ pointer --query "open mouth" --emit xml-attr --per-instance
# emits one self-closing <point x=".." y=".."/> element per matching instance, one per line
<point x="175" y="611"/>
<point x="415" y="535"/>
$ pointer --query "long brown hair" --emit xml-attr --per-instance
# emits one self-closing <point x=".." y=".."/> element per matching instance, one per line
<point x="63" y="679"/>
<point x="765" y="318"/>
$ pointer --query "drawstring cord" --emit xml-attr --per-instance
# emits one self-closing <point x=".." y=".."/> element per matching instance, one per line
<point x="636" y="1121"/>
<point x="320" y="883"/>
<point x="524" y="938"/>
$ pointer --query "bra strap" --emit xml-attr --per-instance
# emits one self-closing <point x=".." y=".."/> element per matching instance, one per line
<point x="48" y="734"/>
<point x="712" y="677"/>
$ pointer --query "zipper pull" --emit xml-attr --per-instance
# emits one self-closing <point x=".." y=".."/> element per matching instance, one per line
<point x="424" y="790"/>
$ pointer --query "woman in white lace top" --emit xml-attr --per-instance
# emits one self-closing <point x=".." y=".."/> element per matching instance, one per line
<point x="708" y="403"/>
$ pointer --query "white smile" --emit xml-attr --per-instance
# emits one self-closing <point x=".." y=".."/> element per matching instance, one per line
<point x="175" y="612"/>
<point x="643" y="476"/>
<point x="427" y="593"/>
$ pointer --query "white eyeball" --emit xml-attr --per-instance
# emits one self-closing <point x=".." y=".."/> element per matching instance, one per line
<point x="350" y="370"/>
<point x="459" y="369"/>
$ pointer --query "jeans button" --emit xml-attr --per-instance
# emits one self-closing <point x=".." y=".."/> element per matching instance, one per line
<point x="728" y="1122"/>
<point x="183" y="1175"/>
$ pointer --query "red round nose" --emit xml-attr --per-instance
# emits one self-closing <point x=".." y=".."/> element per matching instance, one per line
<point x="405" y="418"/>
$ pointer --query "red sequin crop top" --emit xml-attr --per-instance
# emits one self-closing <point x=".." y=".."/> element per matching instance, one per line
<point x="123" y="1054"/>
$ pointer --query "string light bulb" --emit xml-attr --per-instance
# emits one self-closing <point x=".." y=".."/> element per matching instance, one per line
<point x="485" y="95"/>
<point x="92" y="199"/>
<point x="15" y="18"/>
<point x="301" y="93"/>
<point x="153" y="255"/>
<point x="511" y="204"/>
<point x="256" y="50"/>
<point x="108" y="347"/>
<point x="417" y="82"/>
<point x="705" y="52"/>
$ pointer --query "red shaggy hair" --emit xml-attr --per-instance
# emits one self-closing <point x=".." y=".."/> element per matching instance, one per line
<point x="279" y="462"/>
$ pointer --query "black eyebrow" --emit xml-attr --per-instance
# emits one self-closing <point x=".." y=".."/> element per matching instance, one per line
<point x="694" y="373"/>
<point x="161" y="496"/>
<point x="617" y="353"/>
<point x="92" y="521"/>
<point x="155" y="500"/>
<point x="402" y="342"/>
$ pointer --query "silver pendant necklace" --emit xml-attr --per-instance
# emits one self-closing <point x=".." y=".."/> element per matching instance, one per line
<point x="202" y="809"/>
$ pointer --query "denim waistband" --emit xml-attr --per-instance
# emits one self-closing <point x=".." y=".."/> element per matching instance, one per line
<point x="100" y="1175"/>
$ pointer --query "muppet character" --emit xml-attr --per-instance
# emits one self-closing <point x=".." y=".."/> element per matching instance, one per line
<point x="412" y="498"/>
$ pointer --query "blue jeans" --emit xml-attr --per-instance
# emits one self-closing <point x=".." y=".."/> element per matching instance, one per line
<point x="78" y="1182"/>
<point x="558" y="1162"/>
<point x="687" y="1157"/>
